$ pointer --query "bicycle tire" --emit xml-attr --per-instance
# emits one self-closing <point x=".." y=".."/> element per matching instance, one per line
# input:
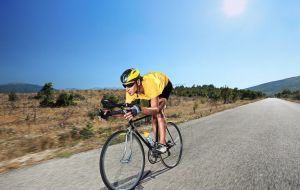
<point x="174" y="143"/>
<point x="115" y="172"/>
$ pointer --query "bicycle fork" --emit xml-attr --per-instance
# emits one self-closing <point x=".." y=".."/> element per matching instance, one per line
<point x="127" y="154"/>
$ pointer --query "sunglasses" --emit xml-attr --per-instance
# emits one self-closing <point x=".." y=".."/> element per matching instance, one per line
<point x="129" y="85"/>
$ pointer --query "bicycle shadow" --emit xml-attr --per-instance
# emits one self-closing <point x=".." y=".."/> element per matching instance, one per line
<point x="149" y="175"/>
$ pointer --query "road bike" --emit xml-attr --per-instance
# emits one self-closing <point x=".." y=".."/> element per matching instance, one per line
<point x="122" y="158"/>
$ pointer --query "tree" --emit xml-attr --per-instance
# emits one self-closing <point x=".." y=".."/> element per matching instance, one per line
<point x="235" y="94"/>
<point x="226" y="94"/>
<point x="47" y="95"/>
<point x="214" y="95"/>
<point x="285" y="93"/>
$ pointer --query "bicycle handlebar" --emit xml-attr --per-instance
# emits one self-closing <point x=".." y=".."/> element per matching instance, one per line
<point x="105" y="114"/>
<point x="106" y="103"/>
<point x="109" y="105"/>
<point x="123" y="105"/>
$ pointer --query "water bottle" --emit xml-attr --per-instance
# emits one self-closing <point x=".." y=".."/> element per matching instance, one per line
<point x="150" y="139"/>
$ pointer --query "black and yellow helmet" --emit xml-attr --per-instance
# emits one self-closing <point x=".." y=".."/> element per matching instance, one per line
<point x="130" y="75"/>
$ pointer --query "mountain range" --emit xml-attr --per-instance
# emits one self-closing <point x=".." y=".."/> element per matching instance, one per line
<point x="19" y="88"/>
<point x="269" y="88"/>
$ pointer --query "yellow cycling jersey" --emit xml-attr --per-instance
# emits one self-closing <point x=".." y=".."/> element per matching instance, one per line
<point x="153" y="84"/>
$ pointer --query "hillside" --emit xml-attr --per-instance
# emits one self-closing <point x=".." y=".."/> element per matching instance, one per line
<point x="19" y="88"/>
<point x="274" y="87"/>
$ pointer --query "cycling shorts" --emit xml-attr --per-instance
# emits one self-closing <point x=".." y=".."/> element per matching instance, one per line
<point x="166" y="91"/>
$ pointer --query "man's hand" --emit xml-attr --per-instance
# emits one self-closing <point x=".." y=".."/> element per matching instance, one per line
<point x="128" y="116"/>
<point x="134" y="111"/>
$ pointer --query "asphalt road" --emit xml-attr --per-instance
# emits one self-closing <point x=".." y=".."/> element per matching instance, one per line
<point x="256" y="146"/>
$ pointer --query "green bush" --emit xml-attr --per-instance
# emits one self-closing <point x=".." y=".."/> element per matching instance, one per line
<point x="92" y="115"/>
<point x="65" y="99"/>
<point x="289" y="94"/>
<point x="75" y="133"/>
<point x="87" y="132"/>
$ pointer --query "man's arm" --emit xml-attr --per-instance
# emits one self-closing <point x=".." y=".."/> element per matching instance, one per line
<point x="154" y="109"/>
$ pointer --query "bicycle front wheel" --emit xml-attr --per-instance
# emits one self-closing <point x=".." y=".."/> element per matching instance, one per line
<point x="174" y="146"/>
<point x="122" y="161"/>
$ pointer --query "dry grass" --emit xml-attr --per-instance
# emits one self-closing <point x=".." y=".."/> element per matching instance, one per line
<point x="30" y="134"/>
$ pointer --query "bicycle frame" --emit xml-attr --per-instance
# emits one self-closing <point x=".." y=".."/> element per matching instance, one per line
<point x="132" y="128"/>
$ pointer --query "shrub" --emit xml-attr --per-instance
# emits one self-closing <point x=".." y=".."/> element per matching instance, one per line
<point x="78" y="97"/>
<point x="75" y="133"/>
<point x="297" y="97"/>
<point x="12" y="97"/>
<point x="86" y="132"/>
<point x="195" y="106"/>
<point x="104" y="131"/>
<point x="63" y="138"/>
<point x="65" y="99"/>
<point x="92" y="115"/>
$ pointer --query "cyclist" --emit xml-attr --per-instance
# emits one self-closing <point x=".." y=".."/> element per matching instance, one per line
<point x="155" y="87"/>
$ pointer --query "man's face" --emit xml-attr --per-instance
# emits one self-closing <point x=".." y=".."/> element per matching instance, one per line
<point x="131" y="88"/>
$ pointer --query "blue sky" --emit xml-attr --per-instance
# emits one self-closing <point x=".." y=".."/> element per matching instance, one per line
<point x="87" y="44"/>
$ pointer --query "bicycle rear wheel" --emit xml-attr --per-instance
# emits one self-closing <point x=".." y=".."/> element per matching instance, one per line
<point x="174" y="146"/>
<point x="122" y="161"/>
